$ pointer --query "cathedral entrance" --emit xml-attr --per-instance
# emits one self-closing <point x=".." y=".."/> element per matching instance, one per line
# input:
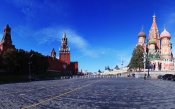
<point x="159" y="66"/>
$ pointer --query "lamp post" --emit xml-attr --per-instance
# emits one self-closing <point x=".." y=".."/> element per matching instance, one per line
<point x="146" y="52"/>
<point x="29" y="67"/>
<point x="149" y="64"/>
<point x="121" y="61"/>
<point x="144" y="60"/>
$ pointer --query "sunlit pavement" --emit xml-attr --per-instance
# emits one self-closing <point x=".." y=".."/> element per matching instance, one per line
<point x="89" y="93"/>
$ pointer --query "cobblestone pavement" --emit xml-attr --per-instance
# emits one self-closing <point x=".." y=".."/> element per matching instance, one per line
<point x="89" y="93"/>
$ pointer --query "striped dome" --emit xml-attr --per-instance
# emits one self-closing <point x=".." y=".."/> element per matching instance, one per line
<point x="152" y="41"/>
<point x="165" y="34"/>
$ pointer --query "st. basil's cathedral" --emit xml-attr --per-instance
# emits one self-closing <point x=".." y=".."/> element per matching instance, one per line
<point x="158" y="47"/>
<point x="62" y="63"/>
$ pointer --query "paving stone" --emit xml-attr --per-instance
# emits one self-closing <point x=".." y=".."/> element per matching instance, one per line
<point x="110" y="92"/>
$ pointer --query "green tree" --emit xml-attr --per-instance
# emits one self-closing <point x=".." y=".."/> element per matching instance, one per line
<point x="39" y="63"/>
<point x="137" y="58"/>
<point x="10" y="60"/>
<point x="116" y="67"/>
<point x="1" y="62"/>
<point x="99" y="71"/>
<point x="17" y="61"/>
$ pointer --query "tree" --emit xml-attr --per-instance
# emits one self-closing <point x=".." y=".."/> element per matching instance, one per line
<point x="10" y="60"/>
<point x="137" y="58"/>
<point x="22" y="60"/>
<point x="99" y="71"/>
<point x="17" y="61"/>
<point x="116" y="67"/>
<point x="39" y="63"/>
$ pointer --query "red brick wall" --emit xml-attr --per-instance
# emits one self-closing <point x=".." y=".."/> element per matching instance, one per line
<point x="4" y="47"/>
<point x="57" y="65"/>
<point x="65" y="57"/>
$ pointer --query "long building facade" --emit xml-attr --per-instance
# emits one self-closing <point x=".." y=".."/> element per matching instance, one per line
<point x="158" y="47"/>
<point x="62" y="63"/>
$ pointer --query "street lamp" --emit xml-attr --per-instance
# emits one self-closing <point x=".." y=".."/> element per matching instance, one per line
<point x="121" y="60"/>
<point x="149" y="65"/>
<point x="144" y="60"/>
<point x="29" y="67"/>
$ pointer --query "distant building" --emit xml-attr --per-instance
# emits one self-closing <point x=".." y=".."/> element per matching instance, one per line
<point x="158" y="47"/>
<point x="62" y="64"/>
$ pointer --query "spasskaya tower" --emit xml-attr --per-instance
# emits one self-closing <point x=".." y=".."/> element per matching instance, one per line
<point x="64" y="51"/>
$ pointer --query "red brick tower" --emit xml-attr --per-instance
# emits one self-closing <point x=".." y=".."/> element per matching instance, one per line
<point x="64" y="52"/>
<point x="6" y="42"/>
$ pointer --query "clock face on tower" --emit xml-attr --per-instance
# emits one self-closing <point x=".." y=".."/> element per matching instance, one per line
<point x="8" y="37"/>
<point x="64" y="46"/>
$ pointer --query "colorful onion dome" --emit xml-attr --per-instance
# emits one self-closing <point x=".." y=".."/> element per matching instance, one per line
<point x="152" y="41"/>
<point x="142" y="34"/>
<point x="165" y="34"/>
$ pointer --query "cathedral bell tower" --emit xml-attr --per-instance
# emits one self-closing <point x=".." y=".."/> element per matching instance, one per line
<point x="154" y="37"/>
<point x="64" y="52"/>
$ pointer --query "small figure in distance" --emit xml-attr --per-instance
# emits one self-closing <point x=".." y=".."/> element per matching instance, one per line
<point x="145" y="77"/>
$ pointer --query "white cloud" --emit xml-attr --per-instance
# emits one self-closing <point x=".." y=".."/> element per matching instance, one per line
<point x="55" y="33"/>
<point x="46" y="35"/>
<point x="76" y="39"/>
<point x="32" y="9"/>
<point x="27" y="7"/>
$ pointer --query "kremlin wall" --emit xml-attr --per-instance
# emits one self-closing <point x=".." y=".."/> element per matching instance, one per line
<point x="61" y="64"/>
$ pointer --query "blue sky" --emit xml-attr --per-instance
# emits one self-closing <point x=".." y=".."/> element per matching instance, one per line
<point x="100" y="32"/>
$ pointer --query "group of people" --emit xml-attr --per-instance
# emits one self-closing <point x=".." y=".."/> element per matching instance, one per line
<point x="153" y="66"/>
